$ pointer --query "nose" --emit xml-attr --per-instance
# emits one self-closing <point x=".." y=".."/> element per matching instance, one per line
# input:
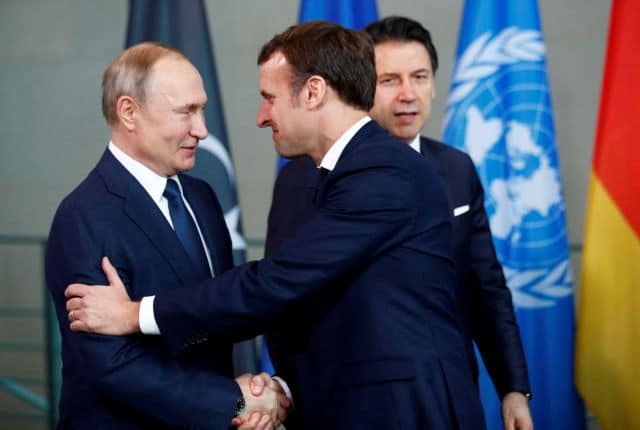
<point x="263" y="119"/>
<point x="407" y="92"/>
<point x="199" y="126"/>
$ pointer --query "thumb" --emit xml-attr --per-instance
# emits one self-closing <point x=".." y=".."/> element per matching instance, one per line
<point x="111" y="273"/>
<point x="257" y="385"/>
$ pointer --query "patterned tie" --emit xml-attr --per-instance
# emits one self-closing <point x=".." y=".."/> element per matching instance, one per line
<point x="185" y="227"/>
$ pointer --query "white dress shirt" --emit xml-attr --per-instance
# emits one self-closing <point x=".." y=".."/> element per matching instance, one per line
<point x="415" y="143"/>
<point x="332" y="156"/>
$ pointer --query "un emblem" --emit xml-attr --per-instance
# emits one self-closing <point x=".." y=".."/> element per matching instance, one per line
<point x="499" y="113"/>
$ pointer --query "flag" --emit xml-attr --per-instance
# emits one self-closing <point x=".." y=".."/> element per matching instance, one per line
<point x="354" y="14"/>
<point x="183" y="25"/>
<point x="499" y="112"/>
<point x="608" y="341"/>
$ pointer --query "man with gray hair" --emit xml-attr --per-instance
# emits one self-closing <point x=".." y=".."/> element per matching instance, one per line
<point x="160" y="228"/>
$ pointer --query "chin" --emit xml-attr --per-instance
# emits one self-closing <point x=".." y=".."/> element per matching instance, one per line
<point x="280" y="150"/>
<point x="188" y="165"/>
<point x="407" y="134"/>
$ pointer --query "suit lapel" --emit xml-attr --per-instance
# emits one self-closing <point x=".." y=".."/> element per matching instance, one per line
<point x="145" y="214"/>
<point x="428" y="150"/>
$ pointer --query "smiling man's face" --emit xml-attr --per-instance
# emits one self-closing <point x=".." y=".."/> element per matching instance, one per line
<point x="405" y="88"/>
<point x="170" y="123"/>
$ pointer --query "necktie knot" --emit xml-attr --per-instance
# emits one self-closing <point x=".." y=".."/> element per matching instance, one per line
<point x="172" y="191"/>
<point x="321" y="174"/>
<point x="318" y="178"/>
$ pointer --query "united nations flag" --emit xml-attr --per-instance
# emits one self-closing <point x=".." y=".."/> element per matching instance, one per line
<point x="499" y="112"/>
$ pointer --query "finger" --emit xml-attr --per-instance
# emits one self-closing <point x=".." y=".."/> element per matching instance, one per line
<point x="76" y="290"/>
<point x="78" y="326"/>
<point x="236" y="422"/>
<point x="251" y="422"/>
<point x="523" y="424"/>
<point x="285" y="403"/>
<point x="110" y="272"/>
<point x="265" y="376"/>
<point x="265" y="423"/>
<point x="73" y="304"/>
<point x="257" y="385"/>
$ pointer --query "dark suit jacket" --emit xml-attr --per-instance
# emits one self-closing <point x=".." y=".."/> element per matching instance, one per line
<point x="370" y="280"/>
<point x="485" y="300"/>
<point x="133" y="382"/>
<point x="486" y="309"/>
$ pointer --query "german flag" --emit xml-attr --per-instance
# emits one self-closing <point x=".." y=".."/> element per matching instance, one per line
<point x="608" y="339"/>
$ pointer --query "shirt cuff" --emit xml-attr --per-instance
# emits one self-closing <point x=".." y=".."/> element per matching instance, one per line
<point x="285" y="388"/>
<point x="146" y="317"/>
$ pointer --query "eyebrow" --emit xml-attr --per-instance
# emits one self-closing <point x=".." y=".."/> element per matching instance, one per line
<point x="192" y="106"/>
<point x="413" y="72"/>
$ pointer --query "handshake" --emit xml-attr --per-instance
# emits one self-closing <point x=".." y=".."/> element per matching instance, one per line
<point x="265" y="404"/>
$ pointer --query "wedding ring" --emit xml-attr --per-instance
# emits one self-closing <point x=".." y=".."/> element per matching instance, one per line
<point x="71" y="319"/>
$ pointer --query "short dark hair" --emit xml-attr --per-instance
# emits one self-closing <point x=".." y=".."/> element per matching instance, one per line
<point x="344" y="58"/>
<point x="401" y="29"/>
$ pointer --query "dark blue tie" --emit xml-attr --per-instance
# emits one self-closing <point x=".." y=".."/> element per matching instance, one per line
<point x="185" y="227"/>
<point x="316" y="181"/>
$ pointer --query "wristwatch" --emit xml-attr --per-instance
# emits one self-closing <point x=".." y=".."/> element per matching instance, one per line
<point x="240" y="405"/>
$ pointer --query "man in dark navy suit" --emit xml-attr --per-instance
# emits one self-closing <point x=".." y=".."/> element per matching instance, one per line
<point x="161" y="229"/>
<point x="365" y="283"/>
<point x="406" y="62"/>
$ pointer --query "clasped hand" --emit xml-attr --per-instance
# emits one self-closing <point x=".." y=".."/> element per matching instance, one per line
<point x="110" y="311"/>
<point x="266" y="404"/>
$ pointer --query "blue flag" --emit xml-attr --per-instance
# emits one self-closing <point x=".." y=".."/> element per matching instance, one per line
<point x="183" y="25"/>
<point x="499" y="111"/>
<point x="354" y="14"/>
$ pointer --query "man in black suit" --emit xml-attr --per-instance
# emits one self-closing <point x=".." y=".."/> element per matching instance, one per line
<point x="367" y="281"/>
<point x="406" y="62"/>
<point x="160" y="228"/>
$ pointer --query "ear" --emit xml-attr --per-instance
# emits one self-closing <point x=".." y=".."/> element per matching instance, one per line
<point x="315" y="92"/>
<point x="126" y="109"/>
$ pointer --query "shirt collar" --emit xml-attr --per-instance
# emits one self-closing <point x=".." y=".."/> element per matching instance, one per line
<point x="330" y="159"/>
<point x="415" y="143"/>
<point x="153" y="183"/>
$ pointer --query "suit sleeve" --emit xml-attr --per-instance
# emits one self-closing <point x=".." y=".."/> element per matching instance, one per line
<point x="289" y="207"/>
<point x="492" y="318"/>
<point x="129" y="370"/>
<point x="361" y="216"/>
